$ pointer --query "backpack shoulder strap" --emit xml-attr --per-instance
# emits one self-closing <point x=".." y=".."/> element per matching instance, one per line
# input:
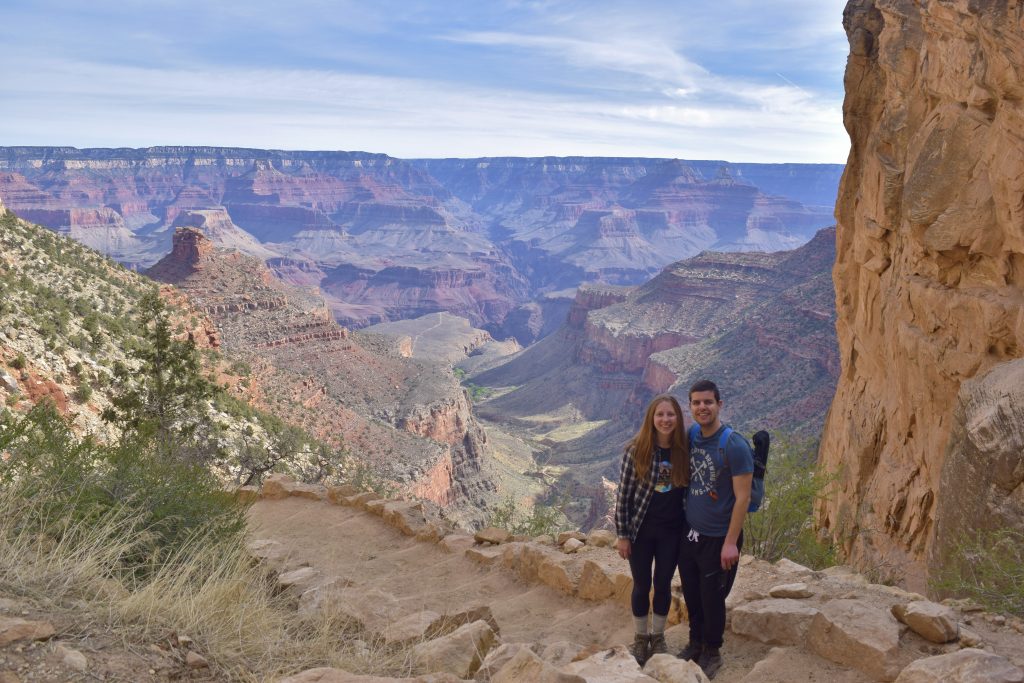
<point x="722" y="442"/>
<point x="693" y="431"/>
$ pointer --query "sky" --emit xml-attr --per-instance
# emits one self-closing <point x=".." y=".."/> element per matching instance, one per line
<point x="737" y="80"/>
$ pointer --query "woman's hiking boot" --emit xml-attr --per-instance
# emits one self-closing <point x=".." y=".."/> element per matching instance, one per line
<point x="657" y="645"/>
<point x="640" y="649"/>
<point x="710" y="661"/>
<point x="692" y="651"/>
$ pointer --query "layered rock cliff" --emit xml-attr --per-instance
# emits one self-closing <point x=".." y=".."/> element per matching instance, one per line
<point x="929" y="279"/>
<point x="392" y="239"/>
<point x="407" y="419"/>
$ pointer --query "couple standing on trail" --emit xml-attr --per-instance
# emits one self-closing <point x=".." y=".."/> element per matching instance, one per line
<point x="681" y="502"/>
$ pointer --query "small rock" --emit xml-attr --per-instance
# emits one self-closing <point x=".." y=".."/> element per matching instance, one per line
<point x="930" y="620"/>
<point x="194" y="660"/>
<point x="185" y="641"/>
<point x="296" y="577"/>
<point x="526" y="666"/>
<point x="670" y="669"/>
<point x="789" y="567"/>
<point x="457" y="543"/>
<point x="492" y="535"/>
<point x="566" y="535"/>
<point x="460" y="652"/>
<point x="73" y="659"/>
<point x="791" y="590"/>
<point x="998" y="620"/>
<point x="572" y="545"/>
<point x="965" y="666"/>
<point x="601" y="538"/>
<point x="969" y="638"/>
<point x="13" y="629"/>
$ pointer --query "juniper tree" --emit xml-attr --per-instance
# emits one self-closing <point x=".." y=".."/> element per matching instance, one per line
<point x="166" y="397"/>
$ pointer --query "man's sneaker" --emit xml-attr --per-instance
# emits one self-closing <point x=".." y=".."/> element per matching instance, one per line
<point x="710" y="661"/>
<point x="657" y="646"/>
<point x="640" y="648"/>
<point x="692" y="651"/>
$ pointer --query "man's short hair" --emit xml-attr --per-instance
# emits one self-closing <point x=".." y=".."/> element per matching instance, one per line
<point x="704" y="385"/>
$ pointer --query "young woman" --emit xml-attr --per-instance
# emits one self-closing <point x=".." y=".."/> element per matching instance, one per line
<point x="650" y="516"/>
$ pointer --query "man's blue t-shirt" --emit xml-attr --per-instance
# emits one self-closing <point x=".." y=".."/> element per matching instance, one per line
<point x="710" y="498"/>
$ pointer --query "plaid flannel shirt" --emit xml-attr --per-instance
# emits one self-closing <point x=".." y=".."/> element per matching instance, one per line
<point x="633" y="498"/>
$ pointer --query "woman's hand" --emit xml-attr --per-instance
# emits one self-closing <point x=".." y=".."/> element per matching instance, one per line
<point x="624" y="547"/>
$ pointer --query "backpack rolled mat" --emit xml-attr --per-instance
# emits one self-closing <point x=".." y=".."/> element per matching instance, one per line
<point x="761" y="443"/>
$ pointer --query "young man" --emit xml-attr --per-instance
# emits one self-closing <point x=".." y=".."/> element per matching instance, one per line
<point x="716" y="505"/>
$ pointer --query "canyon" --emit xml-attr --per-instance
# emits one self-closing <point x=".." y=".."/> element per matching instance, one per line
<point x="925" y="429"/>
<point x="762" y="325"/>
<point x="387" y="239"/>
<point x="406" y="419"/>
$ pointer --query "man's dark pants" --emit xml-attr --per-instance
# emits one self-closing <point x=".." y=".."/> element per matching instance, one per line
<point x="705" y="587"/>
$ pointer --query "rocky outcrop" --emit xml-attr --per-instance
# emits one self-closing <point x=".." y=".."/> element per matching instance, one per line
<point x="929" y="273"/>
<point x="405" y="419"/>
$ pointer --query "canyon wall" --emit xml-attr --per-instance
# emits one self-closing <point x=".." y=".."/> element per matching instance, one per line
<point x="929" y="278"/>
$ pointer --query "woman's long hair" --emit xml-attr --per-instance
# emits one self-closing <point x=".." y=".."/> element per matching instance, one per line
<point x="641" y="446"/>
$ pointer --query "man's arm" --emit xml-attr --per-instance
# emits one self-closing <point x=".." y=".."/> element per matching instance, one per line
<point x="741" y="484"/>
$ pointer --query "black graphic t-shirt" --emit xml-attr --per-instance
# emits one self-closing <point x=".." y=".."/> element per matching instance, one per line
<point x="666" y="508"/>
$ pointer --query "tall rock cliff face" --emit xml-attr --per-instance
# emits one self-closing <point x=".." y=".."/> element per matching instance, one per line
<point x="929" y="274"/>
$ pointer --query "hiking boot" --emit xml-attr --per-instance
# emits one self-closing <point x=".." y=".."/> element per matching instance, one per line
<point x="657" y="645"/>
<point x="692" y="651"/>
<point x="710" y="661"/>
<point x="640" y="649"/>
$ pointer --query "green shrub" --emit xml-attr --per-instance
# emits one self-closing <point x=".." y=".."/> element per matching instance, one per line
<point x="67" y="482"/>
<point x="538" y="520"/>
<point x="783" y="527"/>
<point x="989" y="569"/>
<point x="19" y="362"/>
<point x="84" y="392"/>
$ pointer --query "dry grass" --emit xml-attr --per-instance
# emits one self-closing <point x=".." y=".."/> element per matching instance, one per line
<point x="213" y="592"/>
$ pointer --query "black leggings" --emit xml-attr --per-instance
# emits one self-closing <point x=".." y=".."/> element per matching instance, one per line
<point x="705" y="587"/>
<point x="657" y="544"/>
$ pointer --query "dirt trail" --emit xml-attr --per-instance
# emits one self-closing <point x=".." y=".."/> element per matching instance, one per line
<point x="359" y="547"/>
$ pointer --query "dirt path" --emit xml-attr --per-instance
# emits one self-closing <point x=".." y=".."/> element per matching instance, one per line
<point x="355" y="546"/>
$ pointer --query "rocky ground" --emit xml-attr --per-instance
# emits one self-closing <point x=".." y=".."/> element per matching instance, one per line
<point x="437" y="605"/>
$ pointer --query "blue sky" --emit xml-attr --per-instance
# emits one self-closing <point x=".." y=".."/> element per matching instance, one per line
<point x="740" y="80"/>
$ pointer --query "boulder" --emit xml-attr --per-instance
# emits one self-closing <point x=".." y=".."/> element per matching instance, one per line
<point x="794" y="591"/>
<point x="375" y="506"/>
<point x="278" y="486"/>
<point x="415" y="627"/>
<point x="497" y="658"/>
<point x="857" y="635"/>
<point x="614" y="665"/>
<point x="930" y="620"/>
<point x="361" y="500"/>
<point x="561" y="652"/>
<point x="572" y="545"/>
<point x="339" y="495"/>
<point x="601" y="538"/>
<point x="266" y="549"/>
<point x="329" y="675"/>
<point x="13" y="629"/>
<point x="71" y="658"/>
<point x="456" y="543"/>
<point x="774" y="621"/>
<point x="309" y="491"/>
<point x="485" y="555"/>
<point x="297" y="577"/>
<point x="405" y="515"/>
<point x="964" y="666"/>
<point x="450" y="621"/>
<point x="670" y="669"/>
<point x="460" y="652"/>
<point x="603" y="579"/>
<point x="560" y="572"/>
<point x="566" y="535"/>
<point x="492" y="535"/>
<point x="526" y="666"/>
<point x="785" y="566"/>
